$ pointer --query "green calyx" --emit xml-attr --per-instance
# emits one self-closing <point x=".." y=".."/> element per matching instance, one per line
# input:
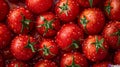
<point x="99" y="43"/>
<point x="47" y="24"/>
<point x="64" y="8"/>
<point x="73" y="63"/>
<point x="75" y="44"/>
<point x="84" y="22"/>
<point x="91" y="3"/>
<point x="46" y="50"/>
<point x="117" y="34"/>
<point x="30" y="45"/>
<point x="25" y="23"/>
<point x="108" y="8"/>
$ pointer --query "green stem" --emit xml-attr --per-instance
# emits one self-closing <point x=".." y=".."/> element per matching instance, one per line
<point x="32" y="48"/>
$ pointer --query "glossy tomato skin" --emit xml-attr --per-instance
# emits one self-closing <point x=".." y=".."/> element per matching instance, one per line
<point x="92" y="20"/>
<point x="86" y="3"/>
<point x="117" y="57"/>
<point x="5" y="36"/>
<point x="102" y="64"/>
<point x="39" y="6"/>
<point x="45" y="63"/>
<point x="21" y="49"/>
<point x="4" y="9"/>
<point x="46" y="18"/>
<point x="72" y="10"/>
<point x="112" y="9"/>
<point x="90" y="49"/>
<point x="79" y="59"/>
<point x="17" y="64"/>
<point x="110" y="29"/>
<point x="69" y="33"/>
<point x="51" y="46"/>
<point x="19" y="18"/>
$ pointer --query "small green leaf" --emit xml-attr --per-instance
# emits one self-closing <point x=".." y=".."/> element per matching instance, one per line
<point x="108" y="8"/>
<point x="91" y="3"/>
<point x="30" y="45"/>
<point x="75" y="44"/>
<point x="101" y="41"/>
<point x="84" y="22"/>
<point x="25" y="22"/>
<point x="46" y="51"/>
<point x="66" y="13"/>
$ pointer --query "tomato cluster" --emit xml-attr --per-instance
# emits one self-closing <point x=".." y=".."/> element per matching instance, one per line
<point x="59" y="33"/>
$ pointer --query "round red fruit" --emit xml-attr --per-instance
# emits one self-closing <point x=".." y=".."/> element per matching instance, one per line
<point x="39" y="6"/>
<point x="73" y="60"/>
<point x="23" y="47"/>
<point x="69" y="37"/>
<point x="47" y="24"/>
<point x="112" y="9"/>
<point x="45" y="63"/>
<point x="112" y="34"/>
<point x="67" y="10"/>
<point x="95" y="48"/>
<point x="92" y="20"/>
<point x="20" y="20"/>
<point x="48" y="48"/>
